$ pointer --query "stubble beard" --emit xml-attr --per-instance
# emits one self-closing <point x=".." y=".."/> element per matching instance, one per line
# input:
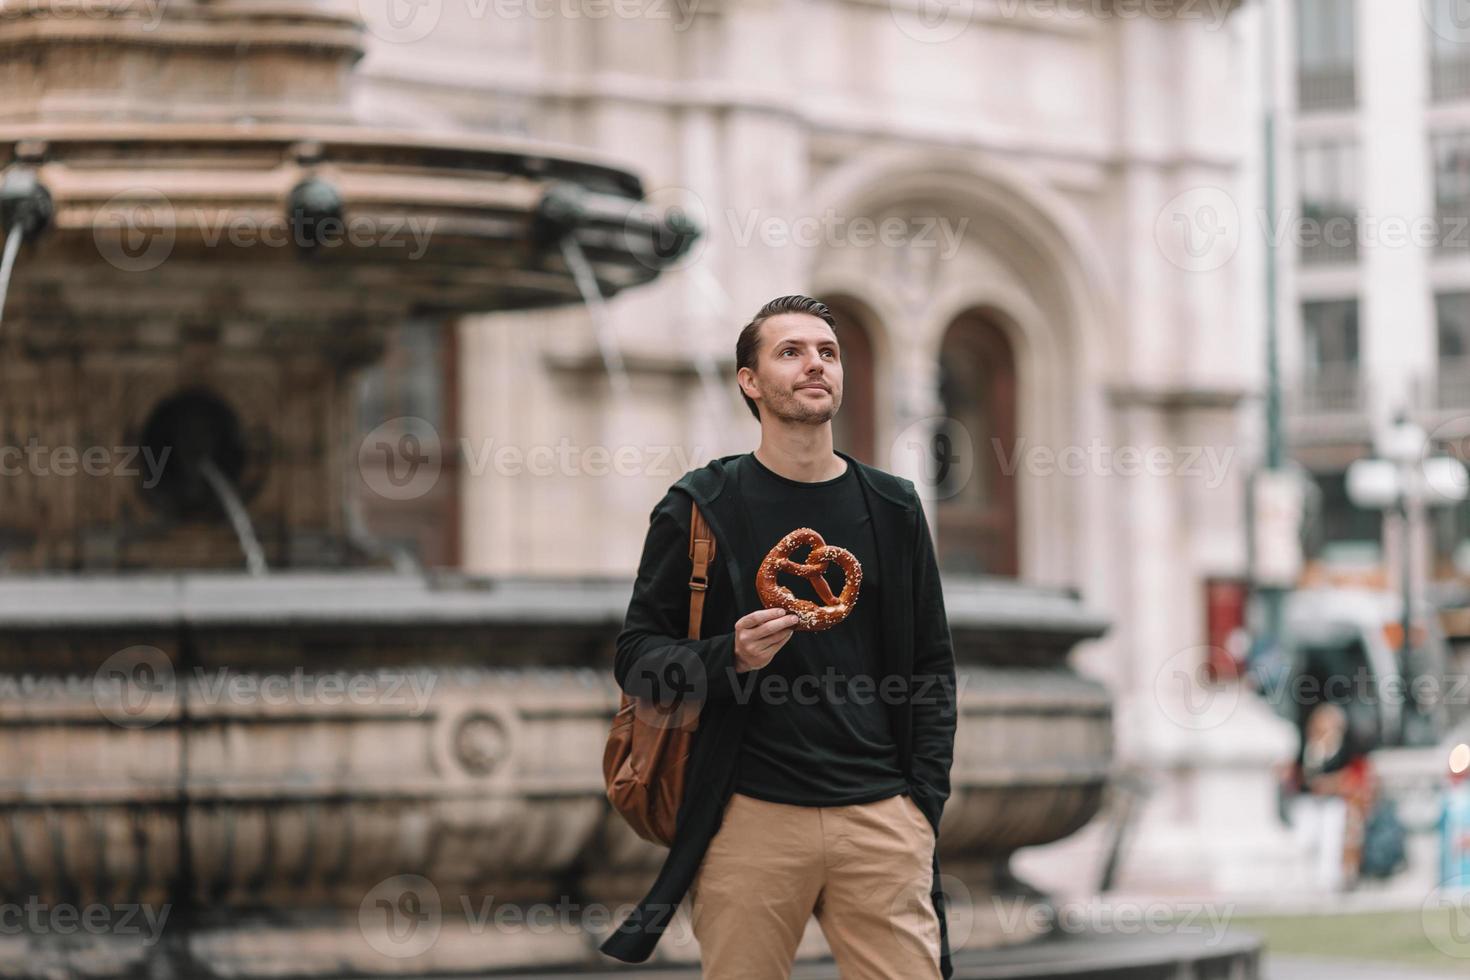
<point x="792" y="410"/>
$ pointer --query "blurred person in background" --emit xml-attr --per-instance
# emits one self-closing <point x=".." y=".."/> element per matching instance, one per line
<point x="1454" y="822"/>
<point x="1335" y="770"/>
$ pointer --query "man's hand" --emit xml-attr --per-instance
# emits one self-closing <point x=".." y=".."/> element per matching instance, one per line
<point x="759" y="635"/>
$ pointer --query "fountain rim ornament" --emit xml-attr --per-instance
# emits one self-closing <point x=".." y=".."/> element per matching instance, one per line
<point x="435" y="223"/>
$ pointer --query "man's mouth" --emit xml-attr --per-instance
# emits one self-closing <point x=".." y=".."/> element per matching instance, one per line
<point x="812" y="388"/>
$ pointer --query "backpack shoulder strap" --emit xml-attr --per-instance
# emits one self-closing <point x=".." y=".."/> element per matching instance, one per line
<point x="701" y="552"/>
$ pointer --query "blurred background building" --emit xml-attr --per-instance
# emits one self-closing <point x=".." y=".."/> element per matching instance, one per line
<point x="1374" y="171"/>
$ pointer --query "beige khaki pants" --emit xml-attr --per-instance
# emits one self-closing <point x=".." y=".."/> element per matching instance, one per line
<point x="863" y="870"/>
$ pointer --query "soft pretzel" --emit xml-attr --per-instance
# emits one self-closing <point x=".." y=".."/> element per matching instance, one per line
<point x="810" y="616"/>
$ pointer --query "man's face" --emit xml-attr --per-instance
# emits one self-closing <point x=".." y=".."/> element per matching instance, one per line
<point x="798" y="371"/>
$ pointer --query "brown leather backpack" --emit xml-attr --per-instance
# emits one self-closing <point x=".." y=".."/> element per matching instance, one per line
<point x="648" y="745"/>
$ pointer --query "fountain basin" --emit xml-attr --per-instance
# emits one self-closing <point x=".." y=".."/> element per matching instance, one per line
<point x="176" y="747"/>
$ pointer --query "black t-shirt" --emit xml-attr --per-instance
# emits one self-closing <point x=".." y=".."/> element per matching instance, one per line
<point x="815" y="737"/>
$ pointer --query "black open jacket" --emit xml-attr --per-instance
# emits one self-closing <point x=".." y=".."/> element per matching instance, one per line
<point x="916" y="644"/>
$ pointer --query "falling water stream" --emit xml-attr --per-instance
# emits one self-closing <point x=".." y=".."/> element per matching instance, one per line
<point x="612" y="358"/>
<point x="7" y="263"/>
<point x="238" y="515"/>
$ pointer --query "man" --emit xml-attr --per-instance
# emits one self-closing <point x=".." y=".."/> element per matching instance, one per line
<point x="820" y="766"/>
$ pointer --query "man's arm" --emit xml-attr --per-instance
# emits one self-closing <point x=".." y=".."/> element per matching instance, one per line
<point x="655" y="659"/>
<point x="933" y="690"/>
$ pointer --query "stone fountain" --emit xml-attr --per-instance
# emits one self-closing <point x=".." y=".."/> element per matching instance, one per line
<point x="236" y="742"/>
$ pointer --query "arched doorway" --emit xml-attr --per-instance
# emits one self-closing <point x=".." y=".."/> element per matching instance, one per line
<point x="854" y="427"/>
<point x="978" y="525"/>
<point x="1009" y="247"/>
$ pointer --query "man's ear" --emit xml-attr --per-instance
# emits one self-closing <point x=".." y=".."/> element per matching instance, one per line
<point x="740" y="377"/>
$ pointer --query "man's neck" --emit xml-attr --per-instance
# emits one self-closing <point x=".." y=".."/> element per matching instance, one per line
<point x="802" y="469"/>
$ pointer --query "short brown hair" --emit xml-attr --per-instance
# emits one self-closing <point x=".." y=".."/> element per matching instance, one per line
<point x="746" y="344"/>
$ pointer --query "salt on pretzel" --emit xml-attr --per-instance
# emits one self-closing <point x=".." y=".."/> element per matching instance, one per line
<point x="810" y="616"/>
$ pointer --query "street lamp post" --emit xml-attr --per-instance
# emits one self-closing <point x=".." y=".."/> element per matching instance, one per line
<point x="1274" y="596"/>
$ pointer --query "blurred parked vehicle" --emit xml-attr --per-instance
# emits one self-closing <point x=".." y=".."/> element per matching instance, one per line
<point x="1344" y="646"/>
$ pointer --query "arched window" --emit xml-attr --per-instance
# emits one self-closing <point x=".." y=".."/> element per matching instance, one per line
<point x="976" y="530"/>
<point x="854" y="427"/>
